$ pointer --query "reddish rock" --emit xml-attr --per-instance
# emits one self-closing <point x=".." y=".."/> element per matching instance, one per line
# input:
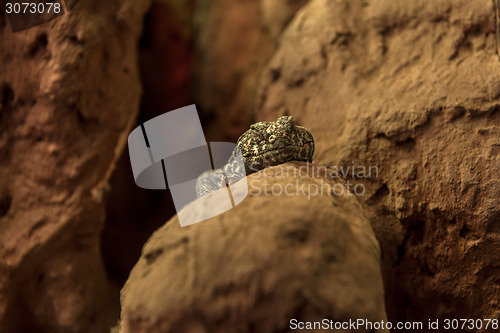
<point x="69" y="94"/>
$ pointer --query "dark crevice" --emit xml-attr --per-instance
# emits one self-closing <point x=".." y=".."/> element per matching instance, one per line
<point x="407" y="143"/>
<point x="495" y="108"/>
<point x="41" y="278"/>
<point x="492" y="223"/>
<point x="413" y="221"/>
<point x="379" y="195"/>
<point x="427" y="270"/>
<point x="416" y="234"/>
<point x="275" y="74"/>
<point x="324" y="56"/>
<point x="394" y="27"/>
<point x="75" y="40"/>
<point x="464" y="43"/>
<point x="298" y="235"/>
<point x="39" y="44"/>
<point x="464" y="231"/>
<point x="342" y="39"/>
<point x="153" y="255"/>
<point x="80" y="117"/>
<point x="5" y="203"/>
<point x="297" y="83"/>
<point x="401" y="250"/>
<point x="456" y="113"/>
<point x="6" y="94"/>
<point x="87" y="125"/>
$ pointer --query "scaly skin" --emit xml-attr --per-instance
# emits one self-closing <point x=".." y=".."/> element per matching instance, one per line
<point x="264" y="144"/>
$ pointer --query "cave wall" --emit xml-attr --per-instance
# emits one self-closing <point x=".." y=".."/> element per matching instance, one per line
<point x="69" y="92"/>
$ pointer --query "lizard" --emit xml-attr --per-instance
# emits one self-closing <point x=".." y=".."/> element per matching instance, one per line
<point x="264" y="144"/>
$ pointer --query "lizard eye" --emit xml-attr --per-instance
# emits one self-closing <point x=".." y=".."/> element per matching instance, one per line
<point x="272" y="138"/>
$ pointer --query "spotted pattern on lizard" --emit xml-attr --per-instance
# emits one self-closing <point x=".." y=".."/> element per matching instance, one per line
<point x="264" y="144"/>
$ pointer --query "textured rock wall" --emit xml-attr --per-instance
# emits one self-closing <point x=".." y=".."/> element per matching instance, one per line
<point x="413" y="88"/>
<point x="69" y="93"/>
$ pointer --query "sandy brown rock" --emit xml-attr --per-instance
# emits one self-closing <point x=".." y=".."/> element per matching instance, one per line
<point x="308" y="255"/>
<point x="69" y="94"/>
<point x="413" y="88"/>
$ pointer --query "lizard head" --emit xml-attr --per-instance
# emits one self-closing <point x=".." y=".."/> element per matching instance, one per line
<point x="272" y="143"/>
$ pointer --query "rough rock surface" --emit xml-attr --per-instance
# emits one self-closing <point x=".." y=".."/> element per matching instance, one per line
<point x="308" y="255"/>
<point x="69" y="93"/>
<point x="413" y="88"/>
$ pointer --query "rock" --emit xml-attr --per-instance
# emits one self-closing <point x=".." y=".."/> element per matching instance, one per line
<point x="276" y="14"/>
<point x="413" y="89"/>
<point x="69" y="94"/>
<point x="307" y="254"/>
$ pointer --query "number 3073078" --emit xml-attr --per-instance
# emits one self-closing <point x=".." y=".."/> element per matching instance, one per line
<point x="32" y="8"/>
